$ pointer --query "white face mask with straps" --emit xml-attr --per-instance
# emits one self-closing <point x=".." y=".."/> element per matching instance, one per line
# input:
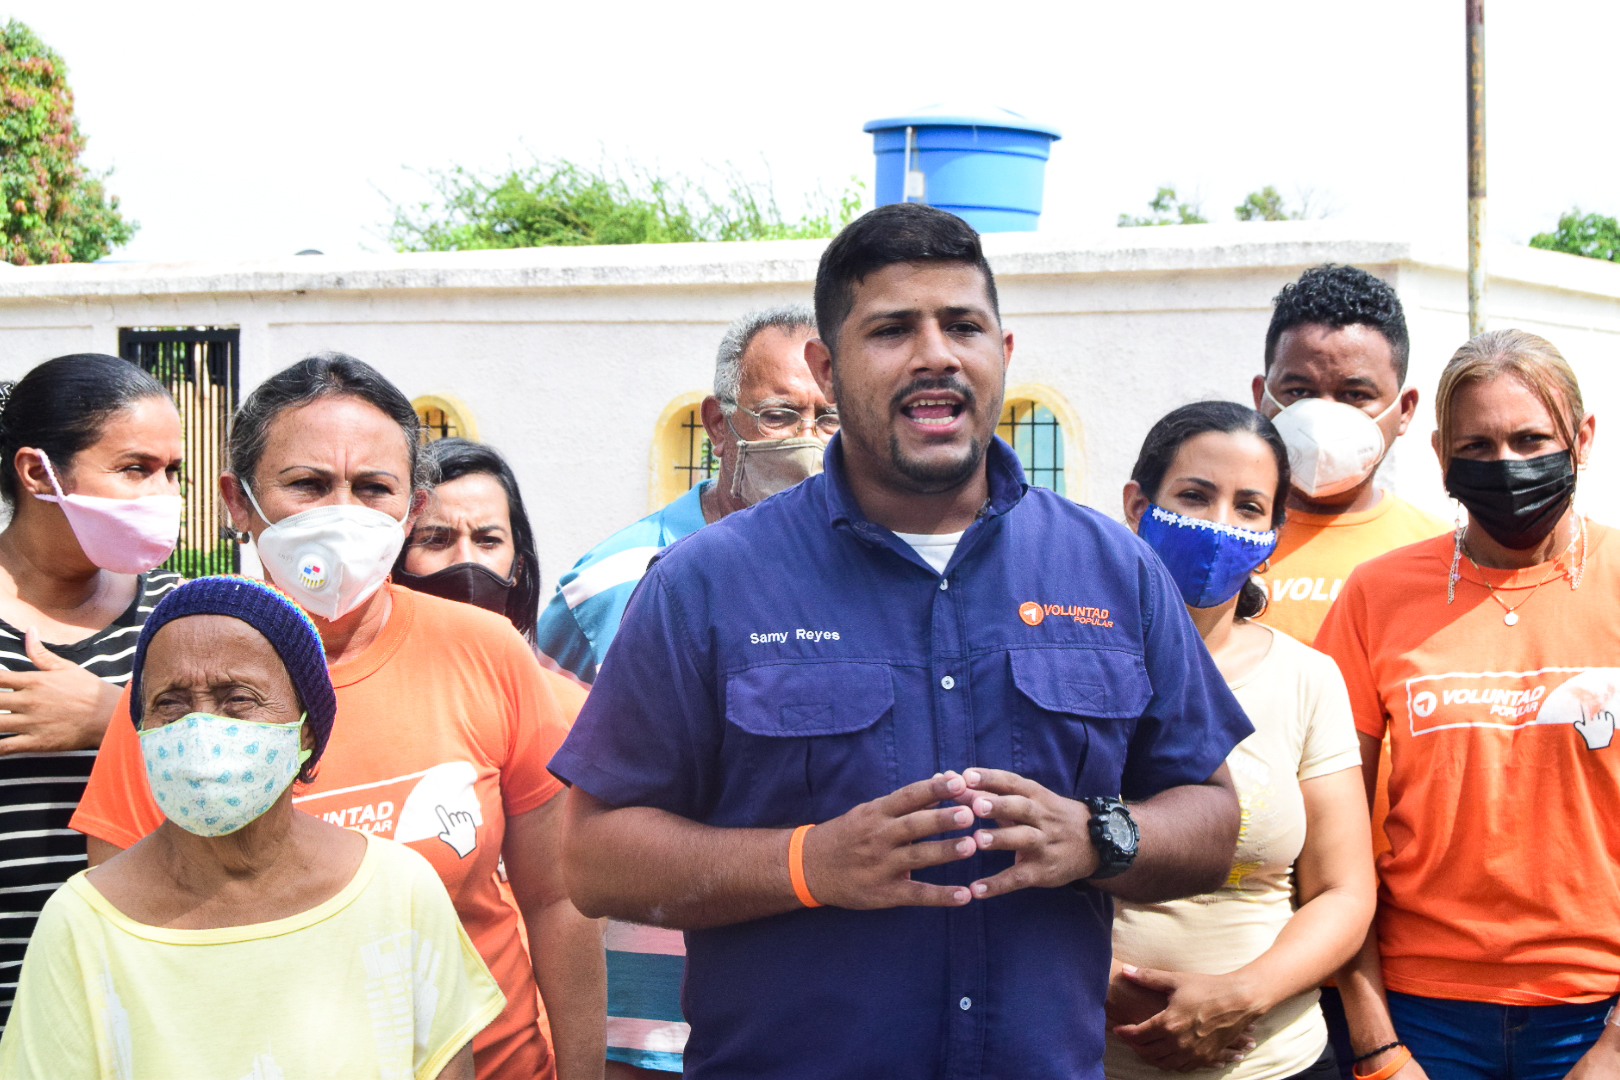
<point x="1332" y="446"/>
<point x="330" y="559"/>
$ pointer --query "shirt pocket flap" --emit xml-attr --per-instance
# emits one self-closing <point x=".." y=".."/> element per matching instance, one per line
<point x="1102" y="683"/>
<point x="786" y="700"/>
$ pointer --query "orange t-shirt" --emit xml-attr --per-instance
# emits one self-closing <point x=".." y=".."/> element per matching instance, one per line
<point x="445" y="725"/>
<point x="1316" y="553"/>
<point x="1503" y="881"/>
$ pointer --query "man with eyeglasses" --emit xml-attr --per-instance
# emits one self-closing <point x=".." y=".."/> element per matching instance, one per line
<point x="768" y="424"/>
<point x="869" y="743"/>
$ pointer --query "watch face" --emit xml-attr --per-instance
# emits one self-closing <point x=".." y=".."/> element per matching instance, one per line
<point x="1119" y="831"/>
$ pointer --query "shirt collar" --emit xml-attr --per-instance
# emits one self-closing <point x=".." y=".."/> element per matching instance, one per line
<point x="1005" y="473"/>
<point x="684" y="516"/>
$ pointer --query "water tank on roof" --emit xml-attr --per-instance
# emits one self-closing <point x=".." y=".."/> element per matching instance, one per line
<point x="987" y="165"/>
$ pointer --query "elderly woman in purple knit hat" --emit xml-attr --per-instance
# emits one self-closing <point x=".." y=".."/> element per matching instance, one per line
<point x="243" y="938"/>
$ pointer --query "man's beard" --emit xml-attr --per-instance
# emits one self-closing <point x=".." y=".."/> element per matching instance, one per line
<point x="932" y="477"/>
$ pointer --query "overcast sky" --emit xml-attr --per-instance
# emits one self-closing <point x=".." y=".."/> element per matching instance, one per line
<point x="243" y="130"/>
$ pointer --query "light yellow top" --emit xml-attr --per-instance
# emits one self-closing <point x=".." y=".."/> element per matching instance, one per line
<point x="1297" y="701"/>
<point x="380" y="981"/>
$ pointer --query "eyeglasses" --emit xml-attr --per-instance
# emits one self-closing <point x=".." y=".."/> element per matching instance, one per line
<point x="783" y="423"/>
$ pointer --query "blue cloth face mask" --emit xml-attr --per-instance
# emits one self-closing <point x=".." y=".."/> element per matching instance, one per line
<point x="212" y="775"/>
<point x="1208" y="560"/>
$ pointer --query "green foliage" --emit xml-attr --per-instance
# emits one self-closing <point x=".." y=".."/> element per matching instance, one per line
<point x="51" y="209"/>
<point x="1592" y="235"/>
<point x="559" y="202"/>
<point x="1265" y="205"/>
<point x="1168" y="209"/>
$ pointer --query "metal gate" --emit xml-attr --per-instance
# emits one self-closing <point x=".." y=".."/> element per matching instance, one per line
<point x="201" y="366"/>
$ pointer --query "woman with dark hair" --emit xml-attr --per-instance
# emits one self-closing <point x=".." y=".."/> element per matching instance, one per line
<point x="1228" y="980"/>
<point x="472" y="542"/>
<point x="448" y="718"/>
<point x="243" y="938"/>
<point x="90" y="450"/>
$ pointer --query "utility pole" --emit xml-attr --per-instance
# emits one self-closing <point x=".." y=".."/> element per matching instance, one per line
<point x="1476" y="166"/>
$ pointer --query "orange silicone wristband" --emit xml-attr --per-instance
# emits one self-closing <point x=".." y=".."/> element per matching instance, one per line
<point x="1402" y="1056"/>
<point x="801" y="888"/>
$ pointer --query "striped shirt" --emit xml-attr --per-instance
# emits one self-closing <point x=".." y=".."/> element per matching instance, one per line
<point x="578" y="625"/>
<point x="38" y="792"/>
<point x="644" y="963"/>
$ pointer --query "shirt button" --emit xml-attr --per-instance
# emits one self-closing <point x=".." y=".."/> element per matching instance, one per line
<point x="944" y="583"/>
<point x="966" y="1004"/>
<point x="948" y="683"/>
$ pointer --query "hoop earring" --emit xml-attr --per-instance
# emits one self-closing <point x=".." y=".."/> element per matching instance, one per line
<point x="1263" y="568"/>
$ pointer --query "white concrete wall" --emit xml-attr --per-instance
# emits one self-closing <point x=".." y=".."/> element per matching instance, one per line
<point x="567" y="356"/>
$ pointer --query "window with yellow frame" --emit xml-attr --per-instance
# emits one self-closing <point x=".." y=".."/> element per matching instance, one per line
<point x="444" y="417"/>
<point x="681" y="455"/>
<point x="1041" y="427"/>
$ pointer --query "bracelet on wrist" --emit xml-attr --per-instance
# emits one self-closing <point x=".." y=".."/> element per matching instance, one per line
<point x="1374" y="1053"/>
<point x="1396" y="1064"/>
<point x="801" y="888"/>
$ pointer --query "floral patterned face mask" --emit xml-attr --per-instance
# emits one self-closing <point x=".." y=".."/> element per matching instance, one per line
<point x="212" y="774"/>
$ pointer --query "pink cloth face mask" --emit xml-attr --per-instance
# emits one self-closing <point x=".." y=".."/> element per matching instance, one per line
<point x="126" y="536"/>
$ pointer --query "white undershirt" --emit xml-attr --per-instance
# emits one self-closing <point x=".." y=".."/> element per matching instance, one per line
<point x="935" y="548"/>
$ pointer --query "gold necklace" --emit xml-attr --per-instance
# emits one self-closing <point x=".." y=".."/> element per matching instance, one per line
<point x="1510" y="615"/>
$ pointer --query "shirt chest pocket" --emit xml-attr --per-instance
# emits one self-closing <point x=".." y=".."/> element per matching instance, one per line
<point x="1074" y="715"/>
<point x="806" y="742"/>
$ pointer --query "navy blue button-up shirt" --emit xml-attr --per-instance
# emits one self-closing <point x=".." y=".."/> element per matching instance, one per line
<point x="795" y="659"/>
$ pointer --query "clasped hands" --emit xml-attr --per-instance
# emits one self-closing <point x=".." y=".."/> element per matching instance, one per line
<point x="1180" y="1020"/>
<point x="864" y="859"/>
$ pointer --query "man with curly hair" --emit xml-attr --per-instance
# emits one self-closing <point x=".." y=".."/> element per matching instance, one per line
<point x="1336" y="355"/>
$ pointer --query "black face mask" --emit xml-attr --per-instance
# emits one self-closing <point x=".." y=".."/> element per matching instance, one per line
<point x="465" y="583"/>
<point x="1517" y="501"/>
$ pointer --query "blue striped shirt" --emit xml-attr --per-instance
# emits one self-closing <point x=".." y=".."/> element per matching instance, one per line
<point x="645" y="964"/>
<point x="578" y="625"/>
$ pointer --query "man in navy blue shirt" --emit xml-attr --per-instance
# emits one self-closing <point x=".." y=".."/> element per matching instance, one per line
<point x="954" y="677"/>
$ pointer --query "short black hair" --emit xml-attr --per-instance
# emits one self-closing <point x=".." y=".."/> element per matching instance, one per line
<point x="898" y="232"/>
<point x="321" y="375"/>
<point x="454" y="458"/>
<point x="1177" y="427"/>
<point x="61" y="406"/>
<point x="1340" y="296"/>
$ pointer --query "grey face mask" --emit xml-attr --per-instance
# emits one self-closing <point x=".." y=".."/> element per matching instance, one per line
<point x="766" y="466"/>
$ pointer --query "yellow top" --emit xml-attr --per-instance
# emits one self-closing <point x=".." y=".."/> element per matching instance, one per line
<point x="379" y="981"/>
<point x="1302" y="729"/>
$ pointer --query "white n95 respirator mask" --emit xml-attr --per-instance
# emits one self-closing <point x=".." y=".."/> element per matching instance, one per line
<point x="1332" y="447"/>
<point x="330" y="558"/>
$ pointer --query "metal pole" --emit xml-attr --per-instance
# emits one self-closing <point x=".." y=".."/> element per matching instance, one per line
<point x="1476" y="166"/>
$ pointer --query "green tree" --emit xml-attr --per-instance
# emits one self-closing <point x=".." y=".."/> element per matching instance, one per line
<point x="1592" y="235"/>
<point x="1265" y="205"/>
<point x="1168" y="209"/>
<point x="54" y="210"/>
<point x="559" y="202"/>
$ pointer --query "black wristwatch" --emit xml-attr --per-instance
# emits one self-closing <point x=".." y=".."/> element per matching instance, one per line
<point x="1114" y="834"/>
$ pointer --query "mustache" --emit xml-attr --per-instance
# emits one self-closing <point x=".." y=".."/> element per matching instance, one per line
<point x="937" y="382"/>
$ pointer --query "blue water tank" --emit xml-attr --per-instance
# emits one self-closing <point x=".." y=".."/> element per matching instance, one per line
<point x="986" y="165"/>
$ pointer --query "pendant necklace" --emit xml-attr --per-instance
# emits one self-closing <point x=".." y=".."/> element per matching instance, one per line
<point x="1510" y="615"/>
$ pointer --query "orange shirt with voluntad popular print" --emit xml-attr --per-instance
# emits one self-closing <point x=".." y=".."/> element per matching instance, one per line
<point x="1316" y="553"/>
<point x="1502" y="883"/>
<point x="444" y="727"/>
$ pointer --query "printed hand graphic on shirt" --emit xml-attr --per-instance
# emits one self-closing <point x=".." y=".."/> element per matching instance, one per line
<point x="443" y="804"/>
<point x="459" y="831"/>
<point x="1588" y="701"/>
